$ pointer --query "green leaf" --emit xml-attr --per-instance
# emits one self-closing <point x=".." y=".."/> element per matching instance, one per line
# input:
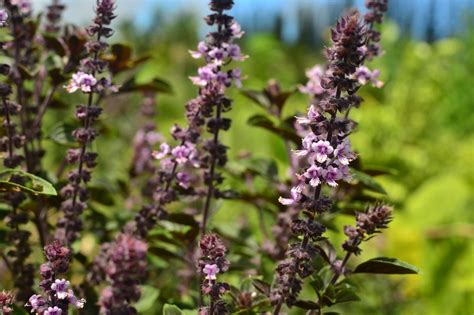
<point x="262" y="286"/>
<point x="368" y="181"/>
<point x="384" y="265"/>
<point x="263" y="167"/>
<point x="148" y="298"/>
<point x="55" y="44"/>
<point x="283" y="131"/>
<point x="307" y="305"/>
<point x="169" y="309"/>
<point x="317" y="284"/>
<point x="16" y="180"/>
<point x="346" y="295"/>
<point x="258" y="98"/>
<point x="61" y="133"/>
<point x="155" y="85"/>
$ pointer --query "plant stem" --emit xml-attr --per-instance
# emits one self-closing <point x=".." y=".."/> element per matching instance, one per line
<point x="8" y="127"/>
<point x="212" y="170"/>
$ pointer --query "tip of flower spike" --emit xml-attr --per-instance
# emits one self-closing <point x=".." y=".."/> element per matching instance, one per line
<point x="221" y="5"/>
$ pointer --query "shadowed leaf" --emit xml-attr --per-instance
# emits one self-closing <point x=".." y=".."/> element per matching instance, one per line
<point x="16" y="180"/>
<point x="383" y="265"/>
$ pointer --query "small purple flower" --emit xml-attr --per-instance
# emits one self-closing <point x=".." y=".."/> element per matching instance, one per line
<point x="234" y="52"/>
<point x="364" y="76"/>
<point x="181" y="153"/>
<point x="61" y="287"/>
<point x="344" y="154"/>
<point x="313" y="174"/>
<point x="53" y="311"/>
<point x="35" y="302"/>
<point x="345" y="173"/>
<point x="236" y="30"/>
<point x="218" y="55"/>
<point x="312" y="116"/>
<point x="164" y="151"/>
<point x="211" y="271"/>
<point x="332" y="175"/>
<point x="206" y="75"/>
<point x="307" y="143"/>
<point x="313" y="86"/>
<point x="322" y="150"/>
<point x="200" y="52"/>
<point x="73" y="300"/>
<point x="81" y="81"/>
<point x="223" y="79"/>
<point x="183" y="179"/>
<point x="296" y="194"/>
<point x="3" y="17"/>
<point x="236" y="75"/>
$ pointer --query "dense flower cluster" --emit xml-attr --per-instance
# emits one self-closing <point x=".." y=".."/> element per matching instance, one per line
<point x="125" y="268"/>
<point x="74" y="193"/>
<point x="59" y="295"/>
<point x="211" y="263"/>
<point x="375" y="15"/>
<point x="326" y="150"/>
<point x="372" y="49"/>
<point x="6" y="302"/>
<point x="371" y="222"/>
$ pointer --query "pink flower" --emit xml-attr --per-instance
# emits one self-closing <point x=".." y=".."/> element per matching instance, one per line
<point x="313" y="174"/>
<point x="81" y="81"/>
<point x="236" y="75"/>
<point x="218" y="55"/>
<point x="331" y="175"/>
<point x="307" y="142"/>
<point x="206" y="75"/>
<point x="211" y="271"/>
<point x="164" y="151"/>
<point x="73" y="300"/>
<point x="233" y="51"/>
<point x="53" y="311"/>
<point x="312" y="116"/>
<point x="295" y="196"/>
<point x="183" y="179"/>
<point x="313" y="87"/>
<point x="61" y="288"/>
<point x="364" y="76"/>
<point x="344" y="154"/>
<point x="201" y="51"/>
<point x="322" y="150"/>
<point x="236" y="30"/>
<point x="3" y="17"/>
